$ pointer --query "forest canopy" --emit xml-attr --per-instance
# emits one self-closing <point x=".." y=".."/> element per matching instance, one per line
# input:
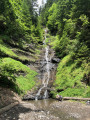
<point x="19" y="21"/>
<point x="20" y="34"/>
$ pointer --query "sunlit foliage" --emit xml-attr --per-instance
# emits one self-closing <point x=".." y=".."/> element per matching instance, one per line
<point x="69" y="20"/>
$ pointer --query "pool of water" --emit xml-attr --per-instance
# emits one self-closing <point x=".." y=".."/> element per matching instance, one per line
<point x="47" y="106"/>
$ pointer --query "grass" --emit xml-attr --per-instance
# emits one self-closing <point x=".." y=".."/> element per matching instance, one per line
<point x="17" y="53"/>
<point x="5" y="50"/>
<point x="70" y="79"/>
<point x="37" y="52"/>
<point x="13" y="73"/>
<point x="21" y="77"/>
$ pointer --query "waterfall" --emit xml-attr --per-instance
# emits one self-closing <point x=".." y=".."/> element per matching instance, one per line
<point x="46" y="75"/>
<point x="47" y="71"/>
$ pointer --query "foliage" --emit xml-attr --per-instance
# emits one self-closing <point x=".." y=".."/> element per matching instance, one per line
<point x="6" y="51"/>
<point x="71" y="27"/>
<point x="69" y="20"/>
<point x="52" y="23"/>
<point x="20" y="29"/>
<point x="44" y="12"/>
<point x="16" y="75"/>
<point x="17" y="19"/>
<point x="70" y="78"/>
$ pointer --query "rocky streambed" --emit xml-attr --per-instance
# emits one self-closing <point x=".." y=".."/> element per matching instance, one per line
<point x="46" y="69"/>
<point x="48" y="109"/>
<point x="45" y="79"/>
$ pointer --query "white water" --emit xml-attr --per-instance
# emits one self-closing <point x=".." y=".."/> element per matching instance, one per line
<point x="47" y="71"/>
<point x="46" y="76"/>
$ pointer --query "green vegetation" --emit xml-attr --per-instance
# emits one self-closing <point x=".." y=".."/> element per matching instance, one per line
<point x="5" y="50"/>
<point x="69" y="24"/>
<point x="20" y="35"/>
<point x="19" y="22"/>
<point x="71" y="78"/>
<point x="13" y="73"/>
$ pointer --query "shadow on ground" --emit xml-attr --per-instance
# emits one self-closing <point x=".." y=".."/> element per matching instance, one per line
<point x="7" y="97"/>
<point x="14" y="113"/>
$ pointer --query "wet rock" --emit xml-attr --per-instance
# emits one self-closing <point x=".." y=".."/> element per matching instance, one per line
<point x="28" y="97"/>
<point x="44" y="68"/>
<point x="40" y="97"/>
<point x="55" y="60"/>
<point x="88" y="102"/>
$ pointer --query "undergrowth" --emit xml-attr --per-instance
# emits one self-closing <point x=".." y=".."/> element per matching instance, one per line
<point x="70" y="78"/>
<point x="16" y="75"/>
<point x="5" y="50"/>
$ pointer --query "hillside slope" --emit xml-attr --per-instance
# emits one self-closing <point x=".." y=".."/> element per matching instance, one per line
<point x="69" y="24"/>
<point x="20" y="35"/>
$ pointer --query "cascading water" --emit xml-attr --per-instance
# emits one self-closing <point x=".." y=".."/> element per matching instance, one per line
<point x="47" y="71"/>
<point x="46" y="68"/>
<point x="46" y="75"/>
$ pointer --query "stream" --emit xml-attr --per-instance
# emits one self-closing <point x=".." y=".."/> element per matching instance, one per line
<point x="47" y="106"/>
<point x="48" y="65"/>
<point x="52" y="109"/>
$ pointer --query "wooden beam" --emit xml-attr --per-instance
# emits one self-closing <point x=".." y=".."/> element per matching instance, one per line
<point x="8" y="107"/>
<point x="76" y="98"/>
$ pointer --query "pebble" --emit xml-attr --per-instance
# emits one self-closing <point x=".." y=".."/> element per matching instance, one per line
<point x="75" y="115"/>
<point x="48" y="112"/>
<point x="73" y="110"/>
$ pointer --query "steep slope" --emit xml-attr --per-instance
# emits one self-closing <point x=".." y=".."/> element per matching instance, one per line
<point x="20" y="35"/>
<point x="70" y="22"/>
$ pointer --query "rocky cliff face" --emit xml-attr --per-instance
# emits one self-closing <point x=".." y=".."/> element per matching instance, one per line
<point x="41" y="67"/>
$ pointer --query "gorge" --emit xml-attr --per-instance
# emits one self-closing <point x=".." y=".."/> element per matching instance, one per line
<point x="46" y="68"/>
<point x="45" y="51"/>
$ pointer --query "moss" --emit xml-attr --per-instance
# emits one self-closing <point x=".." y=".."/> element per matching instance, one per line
<point x="21" y="77"/>
<point x="70" y="78"/>
<point x="17" y="53"/>
<point x="6" y="51"/>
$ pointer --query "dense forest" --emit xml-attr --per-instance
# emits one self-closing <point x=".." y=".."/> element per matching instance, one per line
<point x="21" y="34"/>
<point x="69" y="24"/>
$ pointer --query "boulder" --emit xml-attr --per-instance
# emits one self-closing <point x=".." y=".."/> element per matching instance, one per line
<point x="29" y="97"/>
<point x="55" y="60"/>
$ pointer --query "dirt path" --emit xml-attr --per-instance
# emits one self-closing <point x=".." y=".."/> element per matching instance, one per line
<point x="55" y="110"/>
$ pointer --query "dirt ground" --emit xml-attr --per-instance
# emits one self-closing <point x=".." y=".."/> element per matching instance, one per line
<point x="42" y="110"/>
<point x="7" y="97"/>
<point x="65" y="110"/>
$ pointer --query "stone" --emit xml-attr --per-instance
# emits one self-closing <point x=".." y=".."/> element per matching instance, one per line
<point x="88" y="102"/>
<point x="28" y="97"/>
<point x="55" y="60"/>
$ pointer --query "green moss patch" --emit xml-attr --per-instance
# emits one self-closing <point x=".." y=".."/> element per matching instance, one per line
<point x="70" y="78"/>
<point x="16" y="75"/>
<point x="5" y="50"/>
